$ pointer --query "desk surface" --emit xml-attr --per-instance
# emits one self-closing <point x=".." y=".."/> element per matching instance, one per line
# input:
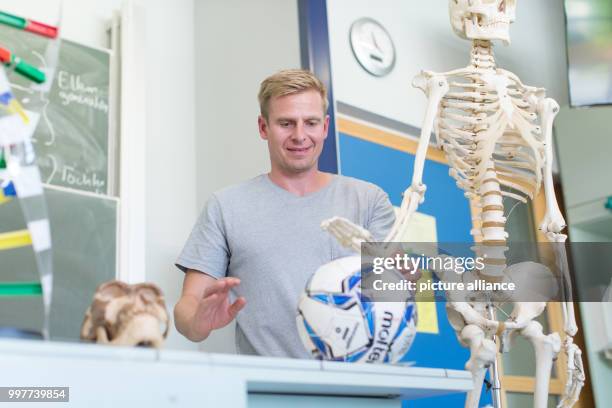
<point x="99" y="374"/>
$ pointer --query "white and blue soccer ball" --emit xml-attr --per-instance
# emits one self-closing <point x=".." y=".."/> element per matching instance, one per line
<point x="336" y="322"/>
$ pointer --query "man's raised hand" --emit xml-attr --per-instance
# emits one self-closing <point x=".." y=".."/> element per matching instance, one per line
<point x="214" y="310"/>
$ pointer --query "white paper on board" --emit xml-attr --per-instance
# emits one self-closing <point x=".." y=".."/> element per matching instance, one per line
<point x="41" y="237"/>
<point x="27" y="182"/>
<point x="14" y="131"/>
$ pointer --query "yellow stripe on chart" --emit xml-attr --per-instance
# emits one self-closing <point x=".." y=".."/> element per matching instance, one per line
<point x="16" y="108"/>
<point x="15" y="239"/>
<point x="3" y="198"/>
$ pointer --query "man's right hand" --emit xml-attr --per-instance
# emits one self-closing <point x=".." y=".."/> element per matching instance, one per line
<point x="214" y="309"/>
<point x="204" y="305"/>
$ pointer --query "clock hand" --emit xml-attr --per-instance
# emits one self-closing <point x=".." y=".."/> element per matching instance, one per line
<point x="376" y="52"/>
<point x="374" y="41"/>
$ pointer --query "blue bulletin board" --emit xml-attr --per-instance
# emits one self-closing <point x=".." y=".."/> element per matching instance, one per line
<point x="391" y="169"/>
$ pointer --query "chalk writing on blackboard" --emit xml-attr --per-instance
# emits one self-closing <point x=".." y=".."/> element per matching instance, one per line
<point x="74" y="90"/>
<point x="72" y="137"/>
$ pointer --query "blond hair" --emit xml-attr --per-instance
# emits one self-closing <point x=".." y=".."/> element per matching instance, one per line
<point x="287" y="82"/>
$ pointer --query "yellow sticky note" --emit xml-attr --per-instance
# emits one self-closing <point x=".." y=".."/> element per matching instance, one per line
<point x="428" y="318"/>
<point x="422" y="228"/>
<point x="426" y="309"/>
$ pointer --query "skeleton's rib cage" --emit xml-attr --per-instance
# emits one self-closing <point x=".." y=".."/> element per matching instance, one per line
<point x="488" y="121"/>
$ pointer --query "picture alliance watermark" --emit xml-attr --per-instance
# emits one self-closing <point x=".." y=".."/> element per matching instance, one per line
<point x="432" y="286"/>
<point x="407" y="264"/>
<point x="506" y="271"/>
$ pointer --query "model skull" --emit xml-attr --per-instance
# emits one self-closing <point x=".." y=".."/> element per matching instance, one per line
<point x="482" y="19"/>
<point x="128" y="315"/>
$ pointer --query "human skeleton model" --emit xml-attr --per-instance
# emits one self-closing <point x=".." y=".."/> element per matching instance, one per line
<point x="497" y="136"/>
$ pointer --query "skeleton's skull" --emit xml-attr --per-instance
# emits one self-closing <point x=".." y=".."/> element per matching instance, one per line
<point x="482" y="19"/>
<point x="127" y="315"/>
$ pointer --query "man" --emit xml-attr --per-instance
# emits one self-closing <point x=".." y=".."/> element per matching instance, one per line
<point x="262" y="238"/>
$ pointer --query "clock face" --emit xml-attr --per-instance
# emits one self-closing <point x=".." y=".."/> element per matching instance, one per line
<point x="372" y="46"/>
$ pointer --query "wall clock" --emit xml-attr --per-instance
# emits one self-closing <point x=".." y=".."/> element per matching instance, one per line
<point x="372" y="46"/>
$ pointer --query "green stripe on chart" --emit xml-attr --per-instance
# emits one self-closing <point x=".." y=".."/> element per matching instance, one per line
<point x="20" y="289"/>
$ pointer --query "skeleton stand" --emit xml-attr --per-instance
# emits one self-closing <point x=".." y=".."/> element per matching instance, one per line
<point x="494" y="369"/>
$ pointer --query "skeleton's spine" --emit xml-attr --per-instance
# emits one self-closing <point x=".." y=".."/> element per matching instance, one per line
<point x="492" y="221"/>
<point x="493" y="233"/>
<point x="481" y="55"/>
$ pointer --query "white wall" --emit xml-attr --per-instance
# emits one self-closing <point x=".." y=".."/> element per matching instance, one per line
<point x="170" y="149"/>
<point x="238" y="43"/>
<point x="424" y="40"/>
<point x="585" y="149"/>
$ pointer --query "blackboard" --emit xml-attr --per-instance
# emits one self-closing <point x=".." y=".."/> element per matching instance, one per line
<point x="72" y="138"/>
<point x="83" y="232"/>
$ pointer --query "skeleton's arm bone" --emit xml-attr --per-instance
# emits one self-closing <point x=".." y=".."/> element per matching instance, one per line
<point x="552" y="225"/>
<point x="434" y="87"/>
<point x="553" y="220"/>
<point x="575" y="375"/>
<point x="569" y="318"/>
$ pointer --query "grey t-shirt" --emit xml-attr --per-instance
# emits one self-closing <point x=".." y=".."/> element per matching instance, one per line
<point x="272" y="240"/>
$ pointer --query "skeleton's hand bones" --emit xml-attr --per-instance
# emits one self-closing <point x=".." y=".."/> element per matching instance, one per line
<point x="348" y="234"/>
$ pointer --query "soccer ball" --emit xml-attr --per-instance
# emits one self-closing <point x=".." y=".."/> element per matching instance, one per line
<point x="336" y="322"/>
